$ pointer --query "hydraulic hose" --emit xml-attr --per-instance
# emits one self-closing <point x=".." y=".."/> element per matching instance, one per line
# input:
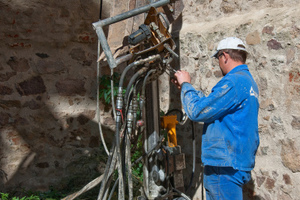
<point x="109" y="170"/>
<point x="119" y="119"/>
<point x="145" y="81"/>
<point x="132" y="80"/>
<point x="111" y="159"/>
<point x="139" y="62"/>
<point x="143" y="115"/>
<point x="142" y="97"/>
<point x="134" y="107"/>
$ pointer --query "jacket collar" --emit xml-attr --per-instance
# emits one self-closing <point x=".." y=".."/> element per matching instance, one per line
<point x="238" y="68"/>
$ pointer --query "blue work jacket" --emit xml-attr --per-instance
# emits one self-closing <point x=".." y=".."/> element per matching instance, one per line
<point x="230" y="136"/>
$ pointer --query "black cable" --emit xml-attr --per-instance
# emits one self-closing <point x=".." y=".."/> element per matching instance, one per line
<point x="177" y="110"/>
<point x="100" y="12"/>
<point x="123" y="152"/>
<point x="192" y="175"/>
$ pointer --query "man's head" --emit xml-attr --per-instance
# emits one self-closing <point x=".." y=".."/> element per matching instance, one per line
<point x="234" y="46"/>
<point x="230" y="52"/>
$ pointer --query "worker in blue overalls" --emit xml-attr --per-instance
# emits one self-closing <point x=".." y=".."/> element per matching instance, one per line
<point x="230" y="137"/>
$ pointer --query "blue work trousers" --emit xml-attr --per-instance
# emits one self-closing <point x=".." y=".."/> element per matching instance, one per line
<point x="224" y="183"/>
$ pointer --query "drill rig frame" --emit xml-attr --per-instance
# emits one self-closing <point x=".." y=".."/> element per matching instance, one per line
<point x="151" y="52"/>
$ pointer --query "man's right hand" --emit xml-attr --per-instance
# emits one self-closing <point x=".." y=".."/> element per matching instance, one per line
<point x="181" y="77"/>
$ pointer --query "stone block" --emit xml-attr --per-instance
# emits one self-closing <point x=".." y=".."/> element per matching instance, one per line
<point x="4" y="90"/>
<point x="268" y="30"/>
<point x="50" y="66"/>
<point x="70" y="87"/>
<point x="296" y="123"/>
<point x="31" y="86"/>
<point x="274" y="44"/>
<point x="253" y="38"/>
<point x="290" y="155"/>
<point x="18" y="65"/>
<point x="6" y="76"/>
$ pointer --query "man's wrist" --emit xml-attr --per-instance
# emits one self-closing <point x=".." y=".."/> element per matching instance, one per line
<point x="183" y="83"/>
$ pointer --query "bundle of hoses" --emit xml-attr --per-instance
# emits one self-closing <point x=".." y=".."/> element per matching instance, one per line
<point x="119" y="157"/>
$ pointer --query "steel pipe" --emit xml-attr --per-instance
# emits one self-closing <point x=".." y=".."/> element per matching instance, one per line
<point x="130" y="13"/>
<point x="98" y="26"/>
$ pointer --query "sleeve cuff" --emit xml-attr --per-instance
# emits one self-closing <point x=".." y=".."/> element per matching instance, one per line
<point x="183" y="84"/>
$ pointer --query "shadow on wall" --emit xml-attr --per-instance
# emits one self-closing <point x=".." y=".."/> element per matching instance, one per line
<point x="41" y="145"/>
<point x="48" y="153"/>
<point x="248" y="191"/>
<point x="192" y="180"/>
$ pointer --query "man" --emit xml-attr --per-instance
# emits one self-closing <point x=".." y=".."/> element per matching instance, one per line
<point x="230" y="134"/>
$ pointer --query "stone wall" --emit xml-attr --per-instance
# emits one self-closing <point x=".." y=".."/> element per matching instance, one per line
<point x="48" y="51"/>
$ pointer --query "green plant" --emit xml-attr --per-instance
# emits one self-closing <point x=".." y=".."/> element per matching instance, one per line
<point x="137" y="169"/>
<point x="5" y="196"/>
<point x="51" y="194"/>
<point x="105" y="87"/>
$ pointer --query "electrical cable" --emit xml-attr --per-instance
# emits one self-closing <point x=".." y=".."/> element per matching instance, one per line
<point x="109" y="170"/>
<point x="181" y="194"/>
<point x="112" y="93"/>
<point x="129" y="171"/>
<point x="98" y="103"/>
<point x="113" y="188"/>
<point x="108" y="184"/>
<point x="149" y="152"/>
<point x="194" y="157"/>
<point x="119" y="162"/>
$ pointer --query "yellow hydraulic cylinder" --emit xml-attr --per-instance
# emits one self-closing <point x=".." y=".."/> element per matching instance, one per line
<point x="169" y="122"/>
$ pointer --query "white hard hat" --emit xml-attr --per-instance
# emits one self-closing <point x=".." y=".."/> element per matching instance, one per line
<point x="230" y="43"/>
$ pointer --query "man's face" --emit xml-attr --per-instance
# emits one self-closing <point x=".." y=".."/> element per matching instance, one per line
<point x="221" y="58"/>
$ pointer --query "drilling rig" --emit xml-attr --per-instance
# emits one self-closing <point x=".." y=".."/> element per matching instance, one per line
<point x="137" y="112"/>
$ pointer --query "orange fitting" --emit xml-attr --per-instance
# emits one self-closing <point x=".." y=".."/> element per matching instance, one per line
<point x="169" y="122"/>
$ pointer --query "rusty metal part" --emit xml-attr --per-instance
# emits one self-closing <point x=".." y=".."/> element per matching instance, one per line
<point x="173" y="10"/>
<point x="98" y="26"/>
<point x="160" y="37"/>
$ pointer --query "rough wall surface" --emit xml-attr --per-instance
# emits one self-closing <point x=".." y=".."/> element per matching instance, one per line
<point x="271" y="30"/>
<point x="48" y="53"/>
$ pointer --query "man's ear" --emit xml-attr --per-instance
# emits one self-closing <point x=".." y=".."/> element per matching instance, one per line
<point x="226" y="57"/>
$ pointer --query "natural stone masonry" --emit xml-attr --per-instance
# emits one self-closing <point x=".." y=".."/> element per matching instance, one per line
<point x="271" y="32"/>
<point x="48" y="51"/>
